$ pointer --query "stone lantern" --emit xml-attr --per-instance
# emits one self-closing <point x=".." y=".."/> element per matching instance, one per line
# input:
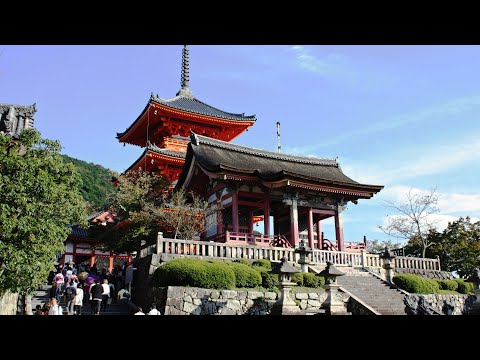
<point x="285" y="270"/>
<point x="475" y="279"/>
<point x="333" y="302"/>
<point x="304" y="250"/>
<point x="388" y="263"/>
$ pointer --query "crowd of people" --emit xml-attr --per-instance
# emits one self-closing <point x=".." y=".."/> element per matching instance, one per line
<point x="76" y="285"/>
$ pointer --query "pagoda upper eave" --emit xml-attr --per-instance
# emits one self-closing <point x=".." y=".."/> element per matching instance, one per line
<point x="151" y="160"/>
<point x="159" y="120"/>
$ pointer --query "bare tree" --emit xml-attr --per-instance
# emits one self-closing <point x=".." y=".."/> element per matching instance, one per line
<point x="413" y="217"/>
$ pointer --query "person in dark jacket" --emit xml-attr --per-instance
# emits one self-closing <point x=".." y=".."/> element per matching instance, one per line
<point x="97" y="291"/>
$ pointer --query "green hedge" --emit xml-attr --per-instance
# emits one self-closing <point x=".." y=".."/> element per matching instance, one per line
<point x="269" y="281"/>
<point x="464" y="287"/>
<point x="451" y="285"/>
<point x="245" y="276"/>
<point x="197" y="273"/>
<point x="297" y="278"/>
<point x="264" y="263"/>
<point x="242" y="261"/>
<point x="308" y="280"/>
<point x="416" y="284"/>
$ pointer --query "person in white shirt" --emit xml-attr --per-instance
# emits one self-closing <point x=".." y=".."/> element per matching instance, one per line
<point x="105" y="294"/>
<point x="139" y="311"/>
<point x="55" y="309"/>
<point x="78" y="300"/>
<point x="153" y="310"/>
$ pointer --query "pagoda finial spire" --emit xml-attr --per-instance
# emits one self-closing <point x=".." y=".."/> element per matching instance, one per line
<point x="185" y="78"/>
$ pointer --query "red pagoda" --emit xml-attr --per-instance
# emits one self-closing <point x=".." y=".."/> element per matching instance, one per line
<point x="164" y="126"/>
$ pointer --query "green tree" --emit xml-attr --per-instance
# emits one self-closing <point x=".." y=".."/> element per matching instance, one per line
<point x="458" y="246"/>
<point x="39" y="198"/>
<point x="96" y="182"/>
<point x="137" y="202"/>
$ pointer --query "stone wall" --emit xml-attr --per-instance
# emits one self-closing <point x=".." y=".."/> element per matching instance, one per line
<point x="8" y="304"/>
<point x="447" y="304"/>
<point x="176" y="300"/>
<point x="196" y="301"/>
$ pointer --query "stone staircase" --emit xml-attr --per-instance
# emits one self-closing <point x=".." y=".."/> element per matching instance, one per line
<point x="376" y="293"/>
<point x="112" y="309"/>
<point x="41" y="296"/>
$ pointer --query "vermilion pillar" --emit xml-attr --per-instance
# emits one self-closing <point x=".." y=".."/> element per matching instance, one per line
<point x="110" y="265"/>
<point x="339" y="231"/>
<point x="310" y="228"/>
<point x="235" y="212"/>
<point x="319" y="234"/>
<point x="266" y="214"/>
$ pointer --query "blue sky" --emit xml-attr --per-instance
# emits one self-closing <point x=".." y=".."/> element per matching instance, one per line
<point x="399" y="116"/>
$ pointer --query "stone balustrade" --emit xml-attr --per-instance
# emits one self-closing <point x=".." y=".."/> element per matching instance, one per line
<point x="227" y="251"/>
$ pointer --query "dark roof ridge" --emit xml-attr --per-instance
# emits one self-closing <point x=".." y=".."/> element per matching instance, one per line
<point x="198" y="139"/>
<point x="181" y="95"/>
<point x="22" y="107"/>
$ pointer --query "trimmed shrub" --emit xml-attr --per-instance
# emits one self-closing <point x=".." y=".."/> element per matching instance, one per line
<point x="416" y="284"/>
<point x="464" y="287"/>
<point x="269" y="281"/>
<point x="451" y="285"/>
<point x="245" y="276"/>
<point x="264" y="263"/>
<point x="242" y="261"/>
<point x="310" y="280"/>
<point x="197" y="273"/>
<point x="297" y="278"/>
<point x="321" y="280"/>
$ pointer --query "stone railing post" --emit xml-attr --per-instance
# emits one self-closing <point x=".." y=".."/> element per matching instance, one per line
<point x="364" y="258"/>
<point x="333" y="303"/>
<point x="159" y="242"/>
<point x="388" y="264"/>
<point x="438" y="263"/>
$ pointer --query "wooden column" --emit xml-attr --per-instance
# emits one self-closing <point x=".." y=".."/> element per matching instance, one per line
<point x="266" y="214"/>
<point x="110" y="265"/>
<point x="219" y="221"/>
<point x="339" y="231"/>
<point x="310" y="228"/>
<point x="294" y="223"/>
<point x="235" y="212"/>
<point x="319" y="234"/>
<point x="92" y="260"/>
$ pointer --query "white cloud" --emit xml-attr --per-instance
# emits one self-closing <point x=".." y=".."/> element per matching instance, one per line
<point x="331" y="64"/>
<point x="430" y="160"/>
<point x="447" y="110"/>
<point x="450" y="205"/>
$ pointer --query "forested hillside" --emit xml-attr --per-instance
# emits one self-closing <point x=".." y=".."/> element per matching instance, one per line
<point x="97" y="182"/>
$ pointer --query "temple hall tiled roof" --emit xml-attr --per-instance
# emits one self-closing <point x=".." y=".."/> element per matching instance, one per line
<point x="189" y="103"/>
<point x="222" y="157"/>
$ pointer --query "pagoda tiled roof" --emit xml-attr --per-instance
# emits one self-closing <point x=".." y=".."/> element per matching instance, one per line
<point x="191" y="104"/>
<point x="154" y="148"/>
<point x="222" y="157"/>
<point x="158" y="150"/>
